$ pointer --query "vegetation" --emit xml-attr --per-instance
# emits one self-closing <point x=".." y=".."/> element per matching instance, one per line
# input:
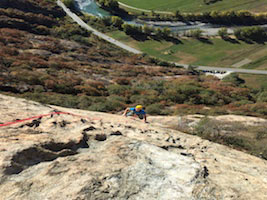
<point x="250" y="34"/>
<point x="69" y="3"/>
<point x="242" y="17"/>
<point x="113" y="7"/>
<point x="223" y="33"/>
<point x="203" y="51"/>
<point x="242" y="136"/>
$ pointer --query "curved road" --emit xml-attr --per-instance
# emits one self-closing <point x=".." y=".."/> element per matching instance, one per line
<point x="143" y="10"/>
<point x="135" y="51"/>
<point x="95" y="32"/>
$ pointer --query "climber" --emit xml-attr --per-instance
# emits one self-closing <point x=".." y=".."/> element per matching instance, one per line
<point x="137" y="111"/>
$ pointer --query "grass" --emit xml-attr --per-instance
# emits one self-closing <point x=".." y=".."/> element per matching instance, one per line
<point x="255" y="81"/>
<point x="198" y="6"/>
<point x="214" y="52"/>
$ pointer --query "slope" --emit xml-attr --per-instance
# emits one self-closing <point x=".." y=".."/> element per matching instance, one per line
<point x="103" y="156"/>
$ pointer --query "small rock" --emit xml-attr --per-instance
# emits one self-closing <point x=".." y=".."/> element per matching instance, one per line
<point x="100" y="137"/>
<point x="63" y="123"/>
<point x="35" y="123"/>
<point x="116" y="133"/>
<point x="83" y="121"/>
<point x="186" y="154"/>
<point x="205" y="172"/>
<point x="91" y="128"/>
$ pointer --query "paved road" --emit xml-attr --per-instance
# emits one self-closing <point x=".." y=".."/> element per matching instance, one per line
<point x="209" y="68"/>
<point x="143" y="10"/>
<point x="135" y="51"/>
<point x="95" y="32"/>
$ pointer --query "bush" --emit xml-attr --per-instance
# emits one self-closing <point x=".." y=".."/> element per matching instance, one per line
<point x="155" y="109"/>
<point x="208" y="129"/>
<point x="69" y="3"/>
<point x="84" y="102"/>
<point x="108" y="105"/>
<point x="117" y="89"/>
<point x="144" y="99"/>
<point x="234" y="79"/>
<point x="237" y="142"/>
<point x="223" y="33"/>
<point x="196" y="33"/>
<point x="117" y="21"/>
<point x="262" y="97"/>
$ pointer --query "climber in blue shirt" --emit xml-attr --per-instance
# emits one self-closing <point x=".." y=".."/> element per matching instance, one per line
<point x="137" y="111"/>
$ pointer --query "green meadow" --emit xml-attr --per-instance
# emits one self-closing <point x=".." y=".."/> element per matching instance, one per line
<point x="198" y="5"/>
<point x="211" y="52"/>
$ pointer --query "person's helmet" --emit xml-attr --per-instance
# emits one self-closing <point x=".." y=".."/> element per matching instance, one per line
<point x="139" y="107"/>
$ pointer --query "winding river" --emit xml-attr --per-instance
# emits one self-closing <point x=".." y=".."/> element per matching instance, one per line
<point x="90" y="7"/>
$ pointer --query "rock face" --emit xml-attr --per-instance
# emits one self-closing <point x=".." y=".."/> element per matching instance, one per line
<point x="91" y="155"/>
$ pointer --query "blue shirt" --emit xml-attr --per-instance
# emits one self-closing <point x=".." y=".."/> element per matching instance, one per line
<point x="141" y="112"/>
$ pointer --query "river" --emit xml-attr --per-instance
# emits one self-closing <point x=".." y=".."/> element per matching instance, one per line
<point x="90" y="7"/>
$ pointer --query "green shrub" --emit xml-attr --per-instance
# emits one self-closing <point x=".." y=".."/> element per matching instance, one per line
<point x="223" y="33"/>
<point x="108" y="105"/>
<point x="144" y="99"/>
<point x="237" y="142"/>
<point x="117" y="21"/>
<point x="208" y="129"/>
<point x="262" y="97"/>
<point x="84" y="102"/>
<point x="234" y="79"/>
<point x="117" y="89"/>
<point x="69" y="3"/>
<point x="155" y="109"/>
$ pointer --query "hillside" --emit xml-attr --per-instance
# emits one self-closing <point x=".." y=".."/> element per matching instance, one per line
<point x="50" y="59"/>
<point x="91" y="155"/>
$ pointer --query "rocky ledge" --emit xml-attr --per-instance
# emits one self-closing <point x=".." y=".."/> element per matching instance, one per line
<point x="90" y="155"/>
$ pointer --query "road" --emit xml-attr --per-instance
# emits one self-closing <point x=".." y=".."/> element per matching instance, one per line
<point x="143" y="10"/>
<point x="227" y="69"/>
<point x="135" y="51"/>
<point x="95" y="32"/>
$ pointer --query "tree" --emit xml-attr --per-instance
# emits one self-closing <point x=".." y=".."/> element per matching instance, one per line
<point x="223" y="33"/>
<point x="117" y="21"/>
<point x="251" y="33"/>
<point x="196" y="33"/>
<point x="166" y="32"/>
<point x="177" y="14"/>
<point x="107" y="21"/>
<point x="131" y="29"/>
<point x="111" y="4"/>
<point x="254" y="33"/>
<point x="147" y="29"/>
<point x="69" y="3"/>
<point x="234" y="79"/>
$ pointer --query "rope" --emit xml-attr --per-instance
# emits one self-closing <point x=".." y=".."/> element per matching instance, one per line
<point x="45" y="115"/>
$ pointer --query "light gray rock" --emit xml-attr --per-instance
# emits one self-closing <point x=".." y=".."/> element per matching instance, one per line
<point x="63" y="158"/>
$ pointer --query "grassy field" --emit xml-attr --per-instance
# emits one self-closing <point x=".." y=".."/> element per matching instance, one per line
<point x="198" y="5"/>
<point x="214" y="52"/>
<point x="255" y="81"/>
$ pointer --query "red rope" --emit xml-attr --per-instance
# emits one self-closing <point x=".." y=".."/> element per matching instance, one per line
<point x="45" y="115"/>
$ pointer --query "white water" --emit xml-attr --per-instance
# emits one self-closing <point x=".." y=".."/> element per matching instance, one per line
<point x="92" y="8"/>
